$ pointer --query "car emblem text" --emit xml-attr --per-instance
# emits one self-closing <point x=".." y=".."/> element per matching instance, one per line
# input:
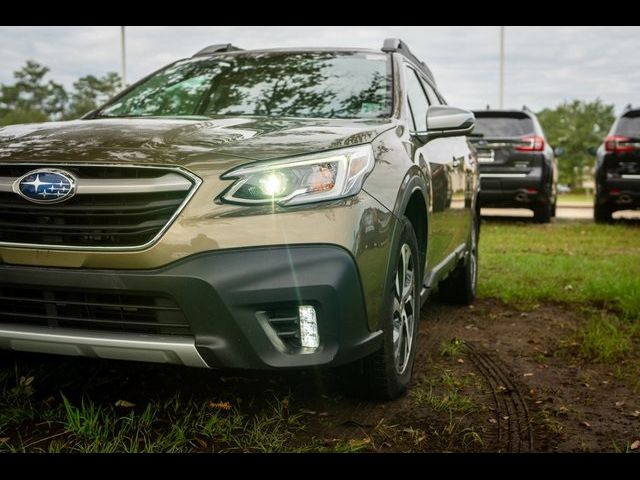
<point x="46" y="185"/>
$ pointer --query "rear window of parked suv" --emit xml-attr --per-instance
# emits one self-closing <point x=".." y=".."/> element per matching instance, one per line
<point x="503" y="125"/>
<point x="629" y="125"/>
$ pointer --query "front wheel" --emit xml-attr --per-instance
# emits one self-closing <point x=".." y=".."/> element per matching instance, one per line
<point x="386" y="373"/>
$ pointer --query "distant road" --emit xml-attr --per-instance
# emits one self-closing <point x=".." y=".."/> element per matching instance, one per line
<point x="574" y="211"/>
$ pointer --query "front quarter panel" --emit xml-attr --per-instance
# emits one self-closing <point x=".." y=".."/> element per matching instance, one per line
<point x="395" y="178"/>
<point x="389" y="181"/>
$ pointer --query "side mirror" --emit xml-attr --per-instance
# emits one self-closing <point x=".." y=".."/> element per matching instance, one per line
<point x="558" y="151"/>
<point x="446" y="121"/>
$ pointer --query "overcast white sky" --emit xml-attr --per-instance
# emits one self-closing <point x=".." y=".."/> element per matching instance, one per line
<point x="544" y="65"/>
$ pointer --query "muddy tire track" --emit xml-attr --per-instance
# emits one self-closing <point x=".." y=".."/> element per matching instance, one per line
<point x="513" y="422"/>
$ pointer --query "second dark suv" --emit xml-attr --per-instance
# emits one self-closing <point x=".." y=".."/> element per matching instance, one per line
<point x="618" y="168"/>
<point x="518" y="168"/>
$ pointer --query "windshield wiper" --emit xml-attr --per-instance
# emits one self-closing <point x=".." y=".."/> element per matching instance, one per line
<point x="121" y="116"/>
<point x="184" y="117"/>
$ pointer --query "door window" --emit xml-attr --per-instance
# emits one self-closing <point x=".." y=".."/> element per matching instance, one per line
<point x="418" y="102"/>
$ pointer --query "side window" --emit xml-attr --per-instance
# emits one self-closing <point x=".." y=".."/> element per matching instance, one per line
<point x="431" y="93"/>
<point x="418" y="101"/>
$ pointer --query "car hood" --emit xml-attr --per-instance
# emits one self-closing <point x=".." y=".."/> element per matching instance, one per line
<point x="180" y="141"/>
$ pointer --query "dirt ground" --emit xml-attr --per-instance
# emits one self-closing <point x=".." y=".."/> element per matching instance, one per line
<point x="487" y="378"/>
<point x="528" y="391"/>
<point x="542" y="397"/>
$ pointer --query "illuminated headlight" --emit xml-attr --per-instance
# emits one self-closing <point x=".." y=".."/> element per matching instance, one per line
<point x="309" y="337"/>
<point x="313" y="178"/>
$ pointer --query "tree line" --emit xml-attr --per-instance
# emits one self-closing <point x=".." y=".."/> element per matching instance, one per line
<point x="576" y="126"/>
<point x="33" y="97"/>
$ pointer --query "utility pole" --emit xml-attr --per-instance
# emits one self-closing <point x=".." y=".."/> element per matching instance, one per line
<point x="123" y="66"/>
<point x="501" y="67"/>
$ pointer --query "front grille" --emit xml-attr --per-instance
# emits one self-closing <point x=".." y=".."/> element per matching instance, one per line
<point x="87" y="220"/>
<point x="92" y="310"/>
<point x="108" y="219"/>
<point x="102" y="172"/>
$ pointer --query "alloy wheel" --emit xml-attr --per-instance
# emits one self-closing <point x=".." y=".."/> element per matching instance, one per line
<point x="403" y="310"/>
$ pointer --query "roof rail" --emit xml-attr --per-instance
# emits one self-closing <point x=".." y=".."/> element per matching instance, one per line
<point x="398" y="46"/>
<point x="219" y="47"/>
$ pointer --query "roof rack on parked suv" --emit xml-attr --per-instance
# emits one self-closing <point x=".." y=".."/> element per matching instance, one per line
<point x="219" y="47"/>
<point x="398" y="46"/>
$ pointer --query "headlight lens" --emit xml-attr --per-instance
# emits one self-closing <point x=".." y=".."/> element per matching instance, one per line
<point x="312" y="178"/>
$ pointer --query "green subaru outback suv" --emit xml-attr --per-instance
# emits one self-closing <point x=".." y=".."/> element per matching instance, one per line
<point x="264" y="209"/>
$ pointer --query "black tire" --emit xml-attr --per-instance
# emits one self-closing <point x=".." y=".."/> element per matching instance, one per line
<point x="602" y="213"/>
<point x="385" y="374"/>
<point x="542" y="213"/>
<point x="459" y="288"/>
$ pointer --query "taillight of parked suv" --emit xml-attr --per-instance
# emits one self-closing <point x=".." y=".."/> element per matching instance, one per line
<point x="620" y="144"/>
<point x="531" y="143"/>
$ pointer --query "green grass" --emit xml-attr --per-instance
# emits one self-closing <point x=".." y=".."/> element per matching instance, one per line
<point x="604" y="339"/>
<point x="174" y="425"/>
<point x="549" y="419"/>
<point x="444" y="394"/>
<point x="624" y="447"/>
<point x="525" y="264"/>
<point x="451" y="348"/>
<point x="449" y="396"/>
<point x="575" y="198"/>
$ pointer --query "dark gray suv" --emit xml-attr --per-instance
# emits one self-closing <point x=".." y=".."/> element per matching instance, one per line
<point x="518" y="168"/>
<point x="618" y="168"/>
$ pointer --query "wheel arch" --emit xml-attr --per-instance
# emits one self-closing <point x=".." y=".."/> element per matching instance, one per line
<point x="412" y="202"/>
<point x="417" y="213"/>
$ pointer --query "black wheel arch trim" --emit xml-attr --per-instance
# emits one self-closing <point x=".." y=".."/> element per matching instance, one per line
<point x="414" y="181"/>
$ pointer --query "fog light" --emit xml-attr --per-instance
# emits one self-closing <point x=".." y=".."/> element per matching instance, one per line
<point x="309" y="337"/>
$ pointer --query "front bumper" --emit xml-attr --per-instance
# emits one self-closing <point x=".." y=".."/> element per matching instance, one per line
<point x="139" y="347"/>
<point x="227" y="298"/>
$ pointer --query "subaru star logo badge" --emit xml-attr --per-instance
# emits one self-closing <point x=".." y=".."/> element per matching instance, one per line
<point x="46" y="185"/>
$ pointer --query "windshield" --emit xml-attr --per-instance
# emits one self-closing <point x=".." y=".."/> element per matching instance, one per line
<point x="313" y="84"/>
<point x="503" y="126"/>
